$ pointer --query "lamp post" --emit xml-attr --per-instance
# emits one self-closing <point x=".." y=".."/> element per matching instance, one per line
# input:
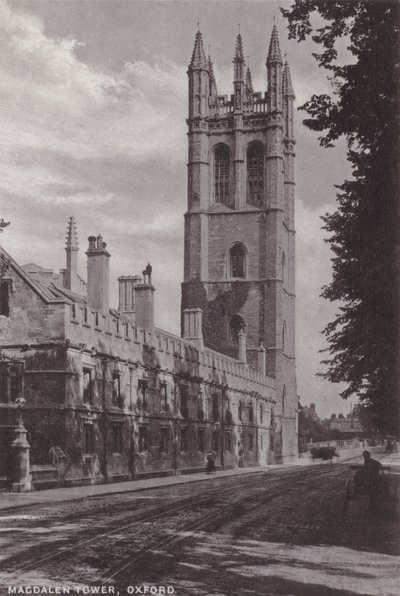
<point x="20" y="448"/>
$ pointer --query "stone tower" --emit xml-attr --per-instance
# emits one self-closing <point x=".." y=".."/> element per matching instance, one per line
<point x="239" y="265"/>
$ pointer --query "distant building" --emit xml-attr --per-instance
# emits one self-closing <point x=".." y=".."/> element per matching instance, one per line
<point x="348" y="425"/>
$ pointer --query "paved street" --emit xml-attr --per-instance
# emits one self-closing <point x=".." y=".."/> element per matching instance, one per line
<point x="280" y="532"/>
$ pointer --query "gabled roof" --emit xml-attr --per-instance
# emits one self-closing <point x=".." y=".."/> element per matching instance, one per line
<point x="40" y="289"/>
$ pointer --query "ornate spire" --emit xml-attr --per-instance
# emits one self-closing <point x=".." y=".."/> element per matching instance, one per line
<point x="198" y="56"/>
<point x="238" y="57"/>
<point x="287" y="81"/>
<point x="249" y="82"/>
<point x="274" y="53"/>
<point x="72" y="236"/>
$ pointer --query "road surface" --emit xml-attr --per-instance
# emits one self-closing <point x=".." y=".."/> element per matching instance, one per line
<point x="283" y="532"/>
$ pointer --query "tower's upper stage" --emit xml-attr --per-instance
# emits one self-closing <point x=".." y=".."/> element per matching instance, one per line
<point x="204" y="100"/>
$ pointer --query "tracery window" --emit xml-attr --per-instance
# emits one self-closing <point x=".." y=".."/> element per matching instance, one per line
<point x="221" y="175"/>
<point x="255" y="175"/>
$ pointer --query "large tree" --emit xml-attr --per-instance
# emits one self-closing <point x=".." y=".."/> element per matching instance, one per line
<point x="364" y="230"/>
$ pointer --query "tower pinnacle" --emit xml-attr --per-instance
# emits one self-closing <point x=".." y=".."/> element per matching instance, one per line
<point x="198" y="56"/>
<point x="274" y="53"/>
<point x="71" y="278"/>
<point x="72" y="236"/>
<point x="238" y="57"/>
<point x="287" y="81"/>
<point x="249" y="82"/>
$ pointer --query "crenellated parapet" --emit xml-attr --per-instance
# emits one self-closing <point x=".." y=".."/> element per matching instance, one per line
<point x="115" y="335"/>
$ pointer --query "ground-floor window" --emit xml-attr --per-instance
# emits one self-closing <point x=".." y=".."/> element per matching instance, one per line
<point x="228" y="441"/>
<point x="184" y="439"/>
<point x="88" y="438"/>
<point x="216" y="441"/>
<point x="142" y="439"/>
<point x="200" y="439"/>
<point x="164" y="440"/>
<point x="117" y="438"/>
<point x="251" y="442"/>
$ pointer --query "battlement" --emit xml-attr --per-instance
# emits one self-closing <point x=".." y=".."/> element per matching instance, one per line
<point x="224" y="106"/>
<point x="121" y="338"/>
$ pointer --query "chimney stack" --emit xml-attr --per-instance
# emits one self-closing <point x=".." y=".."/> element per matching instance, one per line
<point x="144" y="299"/>
<point x="127" y="295"/>
<point x="192" y="326"/>
<point x="98" y="275"/>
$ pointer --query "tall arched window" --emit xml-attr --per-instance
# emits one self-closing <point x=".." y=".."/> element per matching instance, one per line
<point x="255" y="175"/>
<point x="237" y="260"/>
<point x="283" y="398"/>
<point x="221" y="175"/>
<point x="236" y="324"/>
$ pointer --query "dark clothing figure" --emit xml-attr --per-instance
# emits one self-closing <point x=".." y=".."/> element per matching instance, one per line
<point x="369" y="480"/>
<point x="210" y="463"/>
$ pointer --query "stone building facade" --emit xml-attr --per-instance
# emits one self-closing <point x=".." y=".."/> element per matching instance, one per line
<point x="108" y="395"/>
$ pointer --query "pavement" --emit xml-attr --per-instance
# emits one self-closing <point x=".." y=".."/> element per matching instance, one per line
<point x="15" y="500"/>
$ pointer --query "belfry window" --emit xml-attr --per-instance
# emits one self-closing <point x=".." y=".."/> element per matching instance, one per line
<point x="221" y="175"/>
<point x="238" y="260"/>
<point x="255" y="175"/>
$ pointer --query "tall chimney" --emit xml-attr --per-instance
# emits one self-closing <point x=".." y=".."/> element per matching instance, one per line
<point x="98" y="275"/>
<point x="71" y="280"/>
<point x="192" y="326"/>
<point x="144" y="299"/>
<point x="127" y="295"/>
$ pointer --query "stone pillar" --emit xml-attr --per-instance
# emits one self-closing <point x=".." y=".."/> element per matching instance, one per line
<point x="242" y="346"/>
<point x="20" y="448"/>
<point x="261" y="360"/>
<point x="192" y="326"/>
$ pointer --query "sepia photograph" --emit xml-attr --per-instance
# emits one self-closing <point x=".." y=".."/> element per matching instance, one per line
<point x="200" y="297"/>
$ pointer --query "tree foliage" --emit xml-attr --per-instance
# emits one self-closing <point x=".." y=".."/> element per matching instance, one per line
<point x="365" y="227"/>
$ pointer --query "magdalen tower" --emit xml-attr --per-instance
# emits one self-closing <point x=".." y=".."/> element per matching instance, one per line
<point x="239" y="225"/>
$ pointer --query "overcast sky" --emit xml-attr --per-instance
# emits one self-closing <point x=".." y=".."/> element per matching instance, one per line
<point x="93" y="102"/>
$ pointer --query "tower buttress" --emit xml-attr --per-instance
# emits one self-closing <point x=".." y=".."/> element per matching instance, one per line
<point x="238" y="105"/>
<point x="201" y="84"/>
